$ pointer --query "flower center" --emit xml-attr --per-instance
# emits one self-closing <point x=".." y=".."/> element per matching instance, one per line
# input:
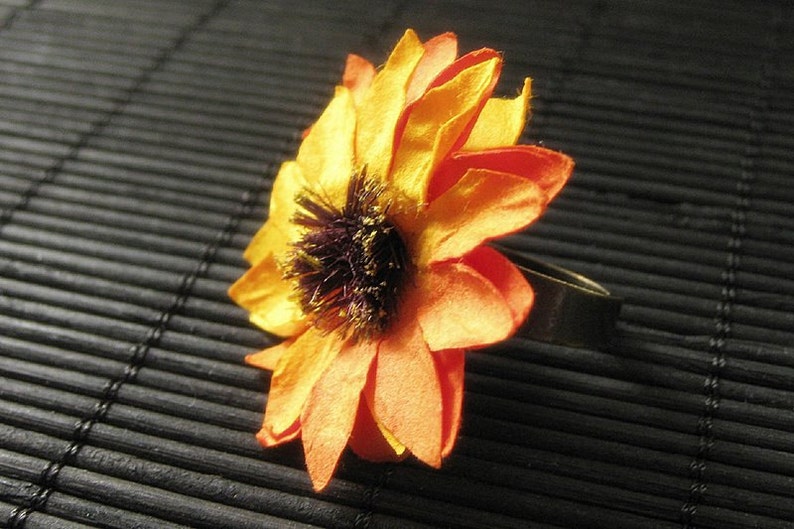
<point x="351" y="263"/>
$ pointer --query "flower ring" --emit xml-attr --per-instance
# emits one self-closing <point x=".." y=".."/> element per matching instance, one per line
<point x="374" y="264"/>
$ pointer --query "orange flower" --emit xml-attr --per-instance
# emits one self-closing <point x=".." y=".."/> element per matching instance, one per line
<point x="372" y="263"/>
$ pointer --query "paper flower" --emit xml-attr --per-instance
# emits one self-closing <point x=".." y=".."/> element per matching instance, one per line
<point x="372" y="263"/>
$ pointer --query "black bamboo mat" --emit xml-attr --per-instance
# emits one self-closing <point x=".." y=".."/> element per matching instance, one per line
<point x="138" y="141"/>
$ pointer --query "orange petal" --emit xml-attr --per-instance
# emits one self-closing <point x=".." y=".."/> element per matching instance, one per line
<point x="501" y="122"/>
<point x="383" y="103"/>
<point x="275" y="235"/>
<point x="406" y="394"/>
<point x="482" y="205"/>
<point x="458" y="308"/>
<point x="266" y="358"/>
<point x="507" y="279"/>
<point x="327" y="153"/>
<point x="435" y="124"/>
<point x="331" y="410"/>
<point x="269" y="299"/>
<point x="302" y="362"/>
<point x="358" y="76"/>
<point x="440" y="52"/>
<point x="367" y="439"/>
<point x="267" y="439"/>
<point x="450" y="367"/>
<point x="548" y="169"/>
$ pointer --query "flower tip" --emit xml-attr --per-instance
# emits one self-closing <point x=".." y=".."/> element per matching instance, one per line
<point x="411" y="34"/>
<point x="319" y="486"/>
<point x="566" y="167"/>
<point x="233" y="291"/>
<point x="450" y="38"/>
<point x="320" y="474"/>
<point x="266" y="438"/>
<point x="431" y="458"/>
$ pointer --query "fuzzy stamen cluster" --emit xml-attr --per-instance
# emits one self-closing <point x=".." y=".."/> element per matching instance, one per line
<point x="351" y="263"/>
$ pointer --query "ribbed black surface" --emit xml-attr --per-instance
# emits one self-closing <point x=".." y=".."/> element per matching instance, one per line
<point x="138" y="141"/>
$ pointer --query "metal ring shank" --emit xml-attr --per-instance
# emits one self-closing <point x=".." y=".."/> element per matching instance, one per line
<point x="569" y="308"/>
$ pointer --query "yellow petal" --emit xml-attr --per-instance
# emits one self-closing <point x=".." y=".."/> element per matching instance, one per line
<point x="435" y="124"/>
<point x="331" y="410"/>
<point x="275" y="235"/>
<point x="394" y="443"/>
<point x="382" y="105"/>
<point x="482" y="205"/>
<point x="501" y="121"/>
<point x="269" y="299"/>
<point x="327" y="153"/>
<point x="301" y="364"/>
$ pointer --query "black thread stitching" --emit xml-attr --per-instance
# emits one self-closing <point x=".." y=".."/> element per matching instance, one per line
<point x="722" y="332"/>
<point x="46" y="482"/>
<point x="9" y="20"/>
<point x="137" y="359"/>
<point x="364" y="518"/>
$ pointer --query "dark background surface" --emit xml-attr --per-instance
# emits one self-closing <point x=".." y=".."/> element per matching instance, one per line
<point x="138" y="141"/>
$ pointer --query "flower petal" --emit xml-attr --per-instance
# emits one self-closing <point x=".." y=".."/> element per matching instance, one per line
<point x="435" y="124"/>
<point x="266" y="358"/>
<point x="302" y="362"/>
<point x="450" y="367"/>
<point x="501" y="121"/>
<point x="358" y="76"/>
<point x="507" y="279"/>
<point x="440" y="52"/>
<point x="383" y="103"/>
<point x="267" y="439"/>
<point x="331" y="409"/>
<point x="548" y="169"/>
<point x="482" y="205"/>
<point x="269" y="299"/>
<point x="274" y="236"/>
<point x="368" y="440"/>
<point x="327" y="153"/>
<point x="458" y="308"/>
<point x="406" y="394"/>
<point x="427" y="127"/>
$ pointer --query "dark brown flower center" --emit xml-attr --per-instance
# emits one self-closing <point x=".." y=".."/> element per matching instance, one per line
<point x="351" y="263"/>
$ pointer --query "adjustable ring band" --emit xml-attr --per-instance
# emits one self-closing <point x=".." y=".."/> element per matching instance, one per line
<point x="569" y="308"/>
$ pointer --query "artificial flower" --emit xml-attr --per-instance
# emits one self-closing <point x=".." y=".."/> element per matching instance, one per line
<point x="373" y="263"/>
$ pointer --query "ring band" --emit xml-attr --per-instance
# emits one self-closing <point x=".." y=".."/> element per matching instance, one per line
<point x="569" y="309"/>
